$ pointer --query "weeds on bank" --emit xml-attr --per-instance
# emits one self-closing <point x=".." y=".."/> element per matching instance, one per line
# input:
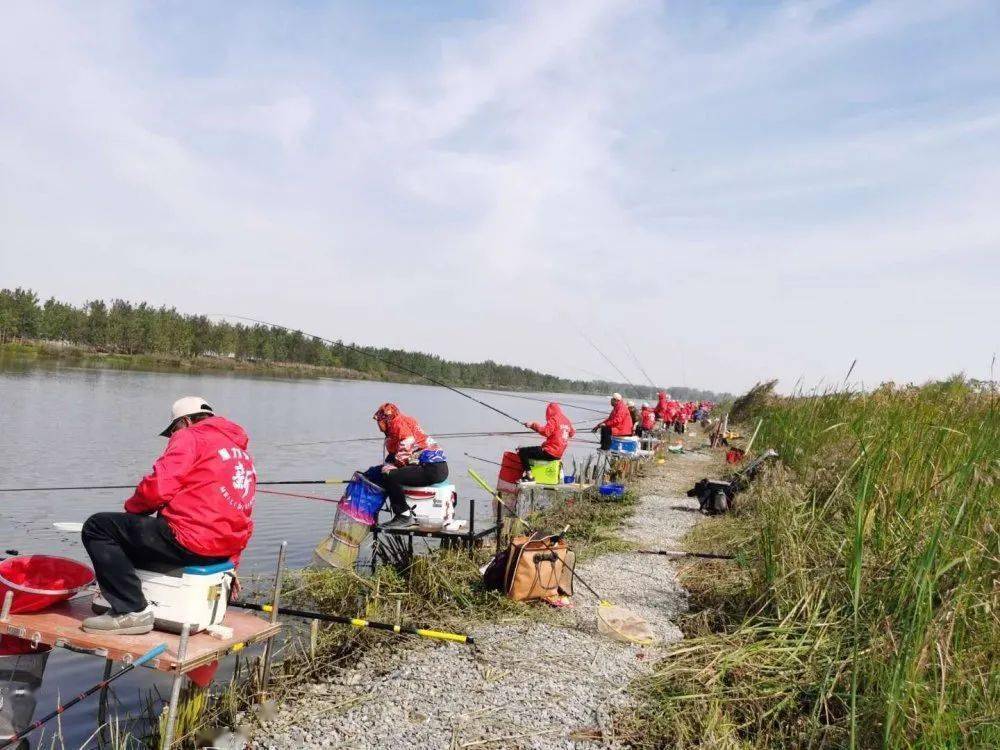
<point x="864" y="608"/>
<point x="594" y="523"/>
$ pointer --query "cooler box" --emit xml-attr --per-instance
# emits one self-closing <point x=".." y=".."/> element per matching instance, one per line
<point x="196" y="595"/>
<point x="434" y="505"/>
<point x="625" y="444"/>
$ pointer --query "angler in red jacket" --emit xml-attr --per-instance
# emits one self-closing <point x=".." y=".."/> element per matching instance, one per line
<point x="647" y="420"/>
<point x="201" y="492"/>
<point x="557" y="432"/>
<point x="413" y="459"/>
<point x="662" y="406"/>
<point x="618" y="423"/>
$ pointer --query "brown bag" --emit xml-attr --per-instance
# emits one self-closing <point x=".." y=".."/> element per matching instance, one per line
<point x="538" y="567"/>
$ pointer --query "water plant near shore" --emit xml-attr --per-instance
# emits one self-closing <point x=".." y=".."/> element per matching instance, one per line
<point x="863" y="608"/>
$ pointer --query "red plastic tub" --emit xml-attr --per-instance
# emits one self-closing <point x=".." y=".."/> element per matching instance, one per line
<point x="40" y="581"/>
<point x="510" y="467"/>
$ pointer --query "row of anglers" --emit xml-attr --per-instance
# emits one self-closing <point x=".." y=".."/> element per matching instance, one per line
<point x="195" y="507"/>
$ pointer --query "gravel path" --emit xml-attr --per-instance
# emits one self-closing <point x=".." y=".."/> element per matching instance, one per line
<point x="529" y="685"/>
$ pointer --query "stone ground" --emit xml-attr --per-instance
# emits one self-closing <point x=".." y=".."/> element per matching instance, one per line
<point x="525" y="685"/>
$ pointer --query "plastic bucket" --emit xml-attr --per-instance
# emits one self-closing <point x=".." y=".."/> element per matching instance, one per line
<point x="40" y="581"/>
<point x="568" y="479"/>
<point x="612" y="490"/>
<point x="510" y="468"/>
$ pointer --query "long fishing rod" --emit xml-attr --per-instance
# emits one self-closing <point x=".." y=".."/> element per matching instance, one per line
<point x="608" y="360"/>
<point x="549" y="401"/>
<point x="383" y="360"/>
<point x="638" y="363"/>
<point x="146" y="657"/>
<point x="355" y="622"/>
<point x="132" y="486"/>
<point x="382" y="439"/>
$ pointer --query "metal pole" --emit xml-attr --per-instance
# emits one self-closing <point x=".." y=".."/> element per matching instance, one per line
<point x="265" y="674"/>
<point x="175" y="689"/>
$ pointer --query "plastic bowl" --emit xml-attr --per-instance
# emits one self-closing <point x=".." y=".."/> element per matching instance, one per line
<point x="612" y="490"/>
<point x="40" y="581"/>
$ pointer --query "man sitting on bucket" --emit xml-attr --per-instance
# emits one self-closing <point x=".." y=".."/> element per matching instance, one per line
<point x="201" y="492"/>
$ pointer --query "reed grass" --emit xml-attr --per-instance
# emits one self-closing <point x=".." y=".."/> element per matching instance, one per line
<point x="862" y="610"/>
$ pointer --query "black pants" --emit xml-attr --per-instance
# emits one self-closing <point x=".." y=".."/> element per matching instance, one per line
<point x="418" y="475"/>
<point x="118" y="543"/>
<point x="639" y="430"/>
<point x="605" y="438"/>
<point x="533" y="453"/>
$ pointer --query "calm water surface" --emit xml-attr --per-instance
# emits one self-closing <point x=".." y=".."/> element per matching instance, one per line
<point x="69" y="426"/>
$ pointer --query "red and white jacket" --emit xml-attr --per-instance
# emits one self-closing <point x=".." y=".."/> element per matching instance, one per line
<point x="204" y="486"/>
<point x="557" y="431"/>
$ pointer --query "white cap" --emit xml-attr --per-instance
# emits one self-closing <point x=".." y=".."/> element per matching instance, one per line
<point x="631" y="402"/>
<point x="616" y="397"/>
<point x="187" y="406"/>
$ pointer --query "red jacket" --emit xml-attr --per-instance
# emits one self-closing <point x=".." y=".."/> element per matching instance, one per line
<point x="203" y="485"/>
<point x="557" y="431"/>
<point x="404" y="440"/>
<point x="620" y="421"/>
<point x="661" y="406"/>
<point x="648" y="418"/>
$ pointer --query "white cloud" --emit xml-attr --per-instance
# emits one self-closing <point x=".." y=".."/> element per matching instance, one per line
<point x="449" y="184"/>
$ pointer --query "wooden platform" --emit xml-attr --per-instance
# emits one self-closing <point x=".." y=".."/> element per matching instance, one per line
<point x="60" y="627"/>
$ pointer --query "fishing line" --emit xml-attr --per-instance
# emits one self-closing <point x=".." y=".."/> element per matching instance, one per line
<point x="383" y="360"/>
<point x="637" y="362"/>
<point x="608" y="360"/>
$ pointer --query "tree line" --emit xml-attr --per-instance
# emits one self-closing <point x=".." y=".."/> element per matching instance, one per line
<point x="123" y="327"/>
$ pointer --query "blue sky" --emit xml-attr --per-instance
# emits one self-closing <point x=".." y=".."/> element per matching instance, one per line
<point x="741" y="190"/>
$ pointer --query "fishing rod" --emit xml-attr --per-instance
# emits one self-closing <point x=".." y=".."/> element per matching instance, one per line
<point x="146" y="657"/>
<point x="681" y="553"/>
<point x="359" y="623"/>
<point x="638" y="363"/>
<point x="608" y="360"/>
<point x="383" y="360"/>
<point x="132" y="486"/>
<point x="381" y="439"/>
<point x="549" y="401"/>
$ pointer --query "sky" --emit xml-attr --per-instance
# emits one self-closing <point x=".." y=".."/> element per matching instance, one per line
<point x="736" y="191"/>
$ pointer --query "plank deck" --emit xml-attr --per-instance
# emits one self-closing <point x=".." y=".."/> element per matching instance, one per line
<point x="60" y="627"/>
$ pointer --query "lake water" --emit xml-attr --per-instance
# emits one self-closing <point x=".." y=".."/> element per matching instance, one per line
<point x="71" y="426"/>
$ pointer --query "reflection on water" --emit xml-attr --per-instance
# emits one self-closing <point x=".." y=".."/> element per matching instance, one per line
<point x="69" y="426"/>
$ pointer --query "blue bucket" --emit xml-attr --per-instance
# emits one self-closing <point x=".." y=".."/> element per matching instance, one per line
<point x="568" y="479"/>
<point x="612" y="490"/>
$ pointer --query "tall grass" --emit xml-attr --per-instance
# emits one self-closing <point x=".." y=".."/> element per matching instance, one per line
<point x="866" y="609"/>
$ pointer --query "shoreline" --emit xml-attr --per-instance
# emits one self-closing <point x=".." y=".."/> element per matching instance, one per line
<point x="489" y="696"/>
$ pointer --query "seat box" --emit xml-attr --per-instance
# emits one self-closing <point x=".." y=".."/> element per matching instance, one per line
<point x="433" y="505"/>
<point x="546" y="472"/>
<point x="196" y="595"/>
<point x="625" y="444"/>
